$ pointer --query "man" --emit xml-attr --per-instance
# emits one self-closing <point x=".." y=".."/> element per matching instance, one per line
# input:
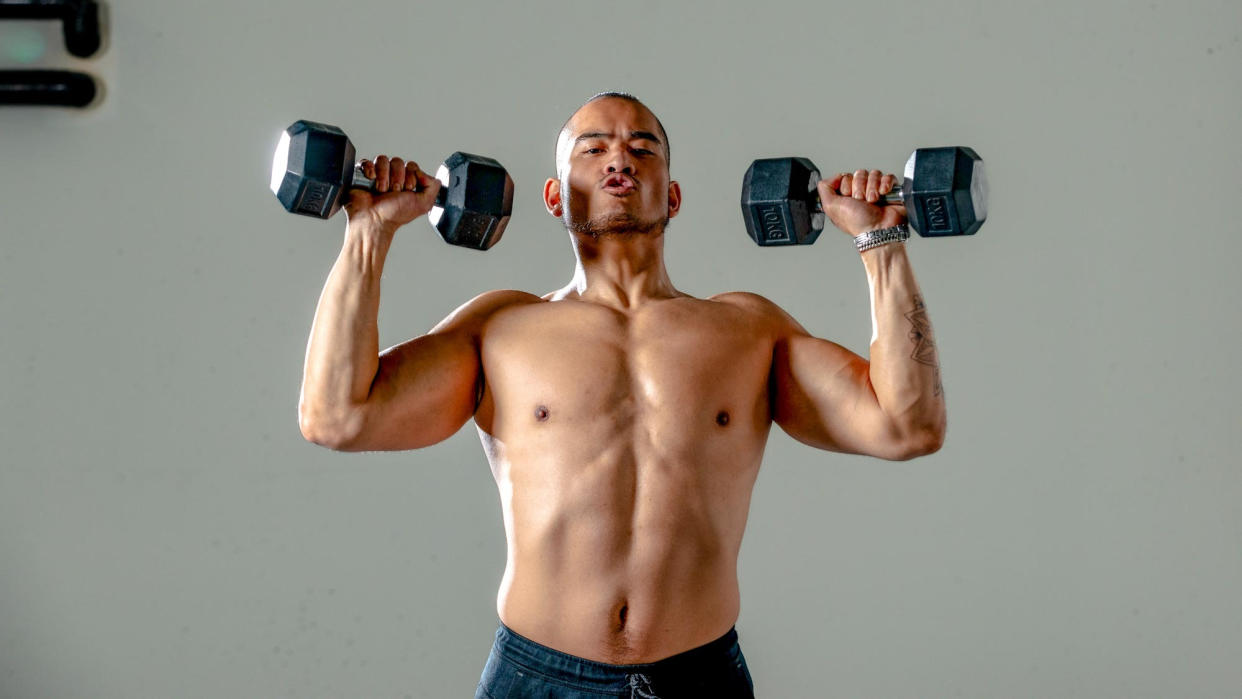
<point x="624" y="420"/>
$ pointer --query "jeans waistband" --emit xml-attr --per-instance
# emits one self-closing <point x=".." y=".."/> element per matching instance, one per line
<point x="543" y="659"/>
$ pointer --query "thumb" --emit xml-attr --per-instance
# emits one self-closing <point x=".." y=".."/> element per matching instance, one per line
<point x="829" y="190"/>
<point x="429" y="187"/>
<point x="356" y="199"/>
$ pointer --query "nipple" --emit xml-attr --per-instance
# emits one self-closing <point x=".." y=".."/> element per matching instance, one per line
<point x="722" y="418"/>
<point x="541" y="413"/>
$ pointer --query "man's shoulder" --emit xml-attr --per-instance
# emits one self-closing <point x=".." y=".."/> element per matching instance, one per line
<point x="760" y="306"/>
<point x="500" y="298"/>
<point x="480" y="309"/>
<point x="749" y="301"/>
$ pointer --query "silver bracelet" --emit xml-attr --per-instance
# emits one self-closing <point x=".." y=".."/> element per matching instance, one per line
<point x="882" y="236"/>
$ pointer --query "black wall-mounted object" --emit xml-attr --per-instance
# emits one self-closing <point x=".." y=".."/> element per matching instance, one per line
<point x="57" y="88"/>
<point x="80" y="20"/>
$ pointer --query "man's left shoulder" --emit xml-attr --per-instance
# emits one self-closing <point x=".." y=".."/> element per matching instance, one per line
<point x="749" y="301"/>
<point x="760" y="306"/>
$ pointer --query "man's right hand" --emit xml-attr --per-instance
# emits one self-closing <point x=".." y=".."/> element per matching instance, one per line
<point x="403" y="192"/>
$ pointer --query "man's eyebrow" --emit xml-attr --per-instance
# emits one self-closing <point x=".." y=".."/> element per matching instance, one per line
<point x="642" y="135"/>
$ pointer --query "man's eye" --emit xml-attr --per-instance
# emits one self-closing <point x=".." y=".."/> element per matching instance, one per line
<point x="643" y="151"/>
<point x="594" y="150"/>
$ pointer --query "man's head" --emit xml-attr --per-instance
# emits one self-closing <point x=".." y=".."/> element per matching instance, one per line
<point x="612" y="170"/>
<point x="565" y="136"/>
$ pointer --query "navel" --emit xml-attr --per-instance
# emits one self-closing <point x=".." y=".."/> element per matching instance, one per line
<point x="722" y="418"/>
<point x="541" y="413"/>
<point x="620" y="612"/>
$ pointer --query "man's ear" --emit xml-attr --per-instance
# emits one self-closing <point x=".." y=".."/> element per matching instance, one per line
<point x="674" y="198"/>
<point x="552" y="197"/>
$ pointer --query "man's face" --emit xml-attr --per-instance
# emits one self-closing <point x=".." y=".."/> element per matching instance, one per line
<point x="612" y="167"/>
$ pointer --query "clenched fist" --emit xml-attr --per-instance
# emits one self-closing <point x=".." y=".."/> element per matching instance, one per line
<point x="852" y="201"/>
<point x="402" y="193"/>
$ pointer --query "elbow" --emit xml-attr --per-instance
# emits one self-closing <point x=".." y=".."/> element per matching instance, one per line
<point x="315" y="434"/>
<point x="928" y="444"/>
<point x="335" y="434"/>
<point x="923" y="443"/>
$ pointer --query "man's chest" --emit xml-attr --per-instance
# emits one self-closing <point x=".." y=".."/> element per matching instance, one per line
<point x="594" y="360"/>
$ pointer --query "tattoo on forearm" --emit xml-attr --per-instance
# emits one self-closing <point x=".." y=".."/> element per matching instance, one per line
<point x="924" y="344"/>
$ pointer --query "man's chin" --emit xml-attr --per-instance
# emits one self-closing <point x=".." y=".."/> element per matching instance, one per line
<point x="618" y="225"/>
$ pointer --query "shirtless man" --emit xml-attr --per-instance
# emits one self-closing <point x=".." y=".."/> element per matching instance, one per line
<point x="624" y="420"/>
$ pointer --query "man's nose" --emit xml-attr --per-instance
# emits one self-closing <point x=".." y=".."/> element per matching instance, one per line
<point x="620" y="162"/>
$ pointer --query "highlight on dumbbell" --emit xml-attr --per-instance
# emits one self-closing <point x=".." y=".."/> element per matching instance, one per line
<point x="944" y="190"/>
<point x="314" y="167"/>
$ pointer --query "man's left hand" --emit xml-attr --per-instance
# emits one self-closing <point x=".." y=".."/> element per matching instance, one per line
<point x="853" y="201"/>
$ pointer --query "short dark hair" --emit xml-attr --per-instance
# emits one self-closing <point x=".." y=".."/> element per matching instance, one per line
<point x="668" y="157"/>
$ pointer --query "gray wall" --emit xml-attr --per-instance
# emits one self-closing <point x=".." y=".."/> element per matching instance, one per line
<point x="166" y="532"/>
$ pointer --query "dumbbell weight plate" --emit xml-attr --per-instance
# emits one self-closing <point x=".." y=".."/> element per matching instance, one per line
<point x="312" y="165"/>
<point x="945" y="191"/>
<point x="779" y="201"/>
<point x="488" y="187"/>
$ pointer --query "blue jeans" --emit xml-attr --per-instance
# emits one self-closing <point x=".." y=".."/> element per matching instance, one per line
<point x="519" y="668"/>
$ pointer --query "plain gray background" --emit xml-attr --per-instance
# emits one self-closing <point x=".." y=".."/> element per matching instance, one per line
<point x="166" y="532"/>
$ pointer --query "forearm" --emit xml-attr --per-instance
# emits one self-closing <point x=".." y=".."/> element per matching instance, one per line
<point x="905" y="366"/>
<point x="342" y="356"/>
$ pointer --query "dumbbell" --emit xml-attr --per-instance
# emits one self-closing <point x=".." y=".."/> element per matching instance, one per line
<point x="944" y="190"/>
<point x="314" y="168"/>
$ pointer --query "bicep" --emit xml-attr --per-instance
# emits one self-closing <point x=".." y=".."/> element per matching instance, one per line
<point x="423" y="392"/>
<point x="425" y="389"/>
<point x="822" y="396"/>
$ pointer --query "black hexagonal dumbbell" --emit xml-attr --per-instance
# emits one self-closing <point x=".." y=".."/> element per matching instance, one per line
<point x="314" y="168"/>
<point x="945" y="192"/>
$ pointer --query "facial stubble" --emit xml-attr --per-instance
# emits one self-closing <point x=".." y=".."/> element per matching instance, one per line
<point x="616" y="225"/>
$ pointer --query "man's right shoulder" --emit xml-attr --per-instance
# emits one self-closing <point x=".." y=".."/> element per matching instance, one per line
<point x="473" y="314"/>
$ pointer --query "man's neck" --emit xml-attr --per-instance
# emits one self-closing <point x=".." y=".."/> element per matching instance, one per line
<point x="621" y="272"/>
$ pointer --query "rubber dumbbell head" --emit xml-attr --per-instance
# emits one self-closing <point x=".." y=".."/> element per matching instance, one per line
<point x="312" y="169"/>
<point x="478" y="203"/>
<point x="780" y="201"/>
<point x="945" y="191"/>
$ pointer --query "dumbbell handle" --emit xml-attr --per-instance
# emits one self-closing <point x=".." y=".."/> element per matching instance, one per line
<point x="893" y="197"/>
<point x="361" y="181"/>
